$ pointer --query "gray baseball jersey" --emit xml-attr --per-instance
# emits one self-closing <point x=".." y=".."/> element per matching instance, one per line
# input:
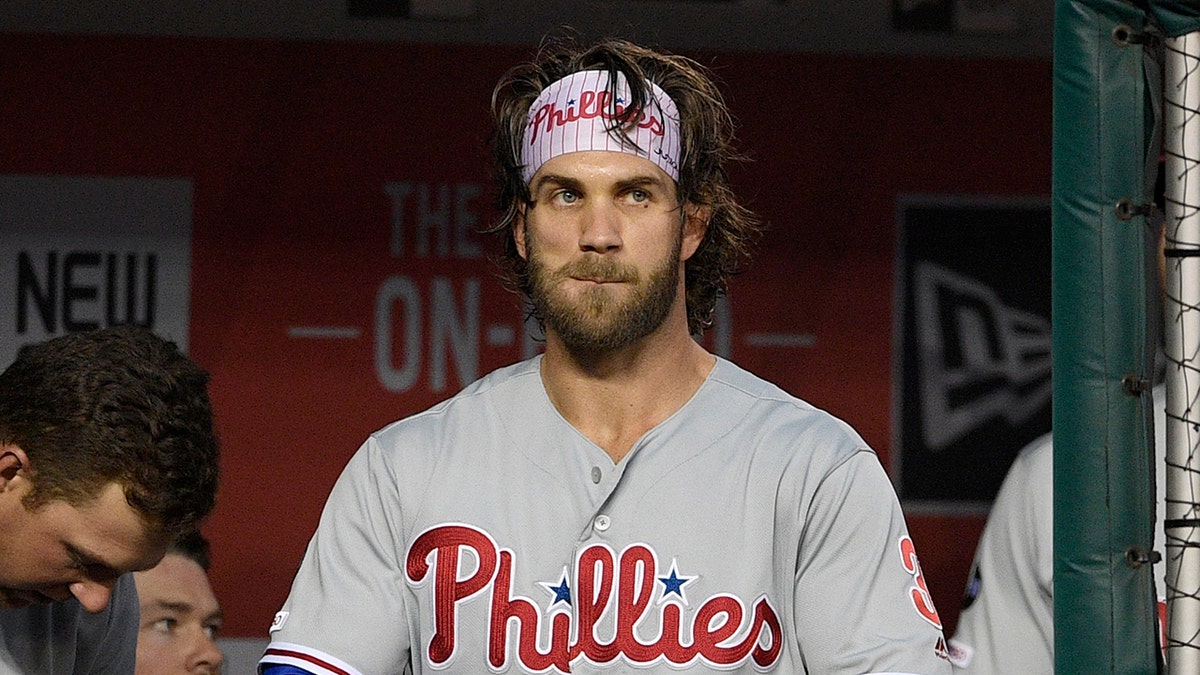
<point x="60" y="638"/>
<point x="1007" y="622"/>
<point x="748" y="532"/>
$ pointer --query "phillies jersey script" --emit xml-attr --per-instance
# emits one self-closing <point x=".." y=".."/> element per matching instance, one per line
<point x="748" y="532"/>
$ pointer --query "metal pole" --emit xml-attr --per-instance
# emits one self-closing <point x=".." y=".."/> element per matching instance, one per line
<point x="1181" y="145"/>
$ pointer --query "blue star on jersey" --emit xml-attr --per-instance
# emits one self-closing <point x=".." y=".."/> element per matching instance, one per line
<point x="560" y="591"/>
<point x="673" y="584"/>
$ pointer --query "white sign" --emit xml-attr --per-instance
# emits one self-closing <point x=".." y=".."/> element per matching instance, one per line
<point x="84" y="252"/>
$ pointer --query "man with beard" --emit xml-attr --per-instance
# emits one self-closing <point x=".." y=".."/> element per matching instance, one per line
<point x="627" y="500"/>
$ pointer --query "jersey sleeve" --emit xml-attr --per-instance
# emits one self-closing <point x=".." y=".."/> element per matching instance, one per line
<point x="862" y="605"/>
<point x="1007" y="621"/>
<point x="346" y="611"/>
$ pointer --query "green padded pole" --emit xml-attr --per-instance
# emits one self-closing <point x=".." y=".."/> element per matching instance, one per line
<point x="1103" y="483"/>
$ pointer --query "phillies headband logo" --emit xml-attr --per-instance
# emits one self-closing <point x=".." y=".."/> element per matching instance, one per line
<point x="576" y="114"/>
<point x="592" y="104"/>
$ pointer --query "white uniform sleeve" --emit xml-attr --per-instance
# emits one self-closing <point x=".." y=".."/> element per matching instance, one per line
<point x="861" y="601"/>
<point x="1007" y="622"/>
<point x="346" y="611"/>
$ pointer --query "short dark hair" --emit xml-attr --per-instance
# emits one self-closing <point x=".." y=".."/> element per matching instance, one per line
<point x="707" y="144"/>
<point x="193" y="546"/>
<point x="116" y="405"/>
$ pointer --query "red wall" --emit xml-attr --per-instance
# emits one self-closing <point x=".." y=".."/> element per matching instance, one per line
<point x="289" y="146"/>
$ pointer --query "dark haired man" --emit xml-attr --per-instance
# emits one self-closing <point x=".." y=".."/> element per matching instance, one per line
<point x="180" y="614"/>
<point x="626" y="501"/>
<point x="107" y="453"/>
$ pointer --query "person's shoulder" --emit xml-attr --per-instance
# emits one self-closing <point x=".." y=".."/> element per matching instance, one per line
<point x="1028" y="484"/>
<point x="771" y="411"/>
<point x="73" y="629"/>
<point x="505" y="386"/>
<point x="1036" y="458"/>
<point x="497" y="384"/>
<point x="739" y="382"/>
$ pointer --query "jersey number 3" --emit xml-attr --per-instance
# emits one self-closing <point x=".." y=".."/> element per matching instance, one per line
<point x="919" y="593"/>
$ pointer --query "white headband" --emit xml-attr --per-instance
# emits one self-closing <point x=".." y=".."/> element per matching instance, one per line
<point x="575" y="113"/>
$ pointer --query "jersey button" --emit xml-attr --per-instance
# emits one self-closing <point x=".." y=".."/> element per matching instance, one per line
<point x="602" y="523"/>
<point x="596" y="474"/>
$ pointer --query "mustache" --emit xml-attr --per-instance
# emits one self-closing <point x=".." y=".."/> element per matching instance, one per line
<point x="598" y="269"/>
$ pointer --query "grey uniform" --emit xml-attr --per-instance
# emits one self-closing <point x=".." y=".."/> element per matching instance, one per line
<point x="61" y="638"/>
<point x="1007" y="625"/>
<point x="747" y="532"/>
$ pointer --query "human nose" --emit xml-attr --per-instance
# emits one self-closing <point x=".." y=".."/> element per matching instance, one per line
<point x="93" y="595"/>
<point x="600" y="229"/>
<point x="206" y="656"/>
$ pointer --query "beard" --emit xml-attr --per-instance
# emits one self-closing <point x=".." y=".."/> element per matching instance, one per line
<point x="595" y="320"/>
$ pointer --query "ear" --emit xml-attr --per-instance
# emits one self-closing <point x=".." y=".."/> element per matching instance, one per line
<point x="695" y="226"/>
<point x="14" y="466"/>
<point x="519" y="232"/>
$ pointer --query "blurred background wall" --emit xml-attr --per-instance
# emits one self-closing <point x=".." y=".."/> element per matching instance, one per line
<point x="294" y="191"/>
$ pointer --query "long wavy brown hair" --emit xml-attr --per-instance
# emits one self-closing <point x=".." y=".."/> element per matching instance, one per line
<point x="707" y="144"/>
